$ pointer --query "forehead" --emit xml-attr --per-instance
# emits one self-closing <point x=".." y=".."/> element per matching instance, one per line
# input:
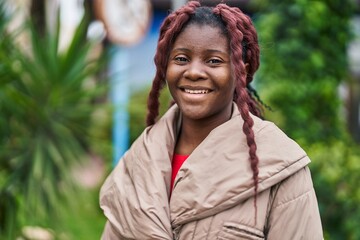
<point x="202" y="36"/>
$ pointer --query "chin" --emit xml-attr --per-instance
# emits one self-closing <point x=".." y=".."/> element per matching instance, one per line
<point x="194" y="113"/>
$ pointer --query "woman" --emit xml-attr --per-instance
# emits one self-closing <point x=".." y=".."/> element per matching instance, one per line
<point x="210" y="168"/>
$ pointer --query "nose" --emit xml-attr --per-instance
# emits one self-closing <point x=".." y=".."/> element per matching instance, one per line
<point x="195" y="71"/>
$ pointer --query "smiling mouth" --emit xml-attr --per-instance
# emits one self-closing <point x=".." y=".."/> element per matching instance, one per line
<point x="199" y="91"/>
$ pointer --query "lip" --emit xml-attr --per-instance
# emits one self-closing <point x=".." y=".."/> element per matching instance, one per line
<point x="202" y="91"/>
<point x="195" y="89"/>
<point x="195" y="93"/>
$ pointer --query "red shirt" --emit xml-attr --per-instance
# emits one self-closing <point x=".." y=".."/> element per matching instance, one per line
<point x="177" y="162"/>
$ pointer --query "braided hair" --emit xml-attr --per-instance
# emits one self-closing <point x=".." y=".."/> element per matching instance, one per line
<point x="238" y="28"/>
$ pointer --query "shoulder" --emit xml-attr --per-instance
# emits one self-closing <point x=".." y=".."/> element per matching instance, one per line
<point x="273" y="145"/>
<point x="167" y="124"/>
<point x="295" y="209"/>
<point x="280" y="157"/>
<point x="264" y="129"/>
<point x="296" y="187"/>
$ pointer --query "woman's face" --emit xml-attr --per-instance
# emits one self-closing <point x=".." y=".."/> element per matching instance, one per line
<point x="199" y="74"/>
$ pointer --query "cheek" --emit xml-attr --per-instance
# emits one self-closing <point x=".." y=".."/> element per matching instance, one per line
<point x="169" y="79"/>
<point x="228" y="83"/>
<point x="231" y="90"/>
<point x="169" y="74"/>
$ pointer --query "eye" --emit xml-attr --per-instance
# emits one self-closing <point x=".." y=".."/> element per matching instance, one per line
<point x="181" y="59"/>
<point x="215" y="61"/>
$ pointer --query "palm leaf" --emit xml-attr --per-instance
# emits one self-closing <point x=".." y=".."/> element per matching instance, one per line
<point x="47" y="113"/>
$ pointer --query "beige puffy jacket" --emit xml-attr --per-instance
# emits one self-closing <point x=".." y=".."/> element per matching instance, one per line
<point x="213" y="193"/>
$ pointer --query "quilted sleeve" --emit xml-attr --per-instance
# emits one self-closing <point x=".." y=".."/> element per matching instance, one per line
<point x="295" y="213"/>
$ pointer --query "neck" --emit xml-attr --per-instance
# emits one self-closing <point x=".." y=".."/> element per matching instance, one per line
<point x="193" y="132"/>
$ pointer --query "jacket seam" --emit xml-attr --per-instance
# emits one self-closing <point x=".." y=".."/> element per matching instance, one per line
<point x="264" y="126"/>
<point x="193" y="236"/>
<point x="295" y="199"/>
<point x="277" y="172"/>
<point x="272" y="195"/>
<point x="211" y="222"/>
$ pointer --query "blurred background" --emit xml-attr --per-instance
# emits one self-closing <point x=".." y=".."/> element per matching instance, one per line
<point x="74" y="77"/>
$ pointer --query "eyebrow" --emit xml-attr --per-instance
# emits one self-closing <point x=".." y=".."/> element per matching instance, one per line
<point x="181" y="49"/>
<point x="207" y="50"/>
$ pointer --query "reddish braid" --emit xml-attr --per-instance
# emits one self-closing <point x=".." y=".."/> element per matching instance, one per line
<point x="169" y="30"/>
<point x="240" y="29"/>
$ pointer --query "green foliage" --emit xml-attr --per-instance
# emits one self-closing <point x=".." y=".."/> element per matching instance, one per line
<point x="138" y="110"/>
<point x="304" y="59"/>
<point x="83" y="219"/>
<point x="335" y="171"/>
<point x="46" y="109"/>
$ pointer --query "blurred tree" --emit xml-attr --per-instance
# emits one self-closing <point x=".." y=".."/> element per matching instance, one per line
<point x="303" y="61"/>
<point x="335" y="170"/>
<point x="47" y="105"/>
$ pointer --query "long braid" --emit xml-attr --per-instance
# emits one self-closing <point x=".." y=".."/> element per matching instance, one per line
<point x="169" y="30"/>
<point x="240" y="29"/>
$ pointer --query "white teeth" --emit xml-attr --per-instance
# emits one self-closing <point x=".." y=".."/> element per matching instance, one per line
<point x="196" y="91"/>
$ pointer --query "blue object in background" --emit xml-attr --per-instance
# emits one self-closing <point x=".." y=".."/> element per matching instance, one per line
<point x="131" y="69"/>
<point x="120" y="94"/>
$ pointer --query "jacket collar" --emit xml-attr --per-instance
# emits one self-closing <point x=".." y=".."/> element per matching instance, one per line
<point x="217" y="175"/>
